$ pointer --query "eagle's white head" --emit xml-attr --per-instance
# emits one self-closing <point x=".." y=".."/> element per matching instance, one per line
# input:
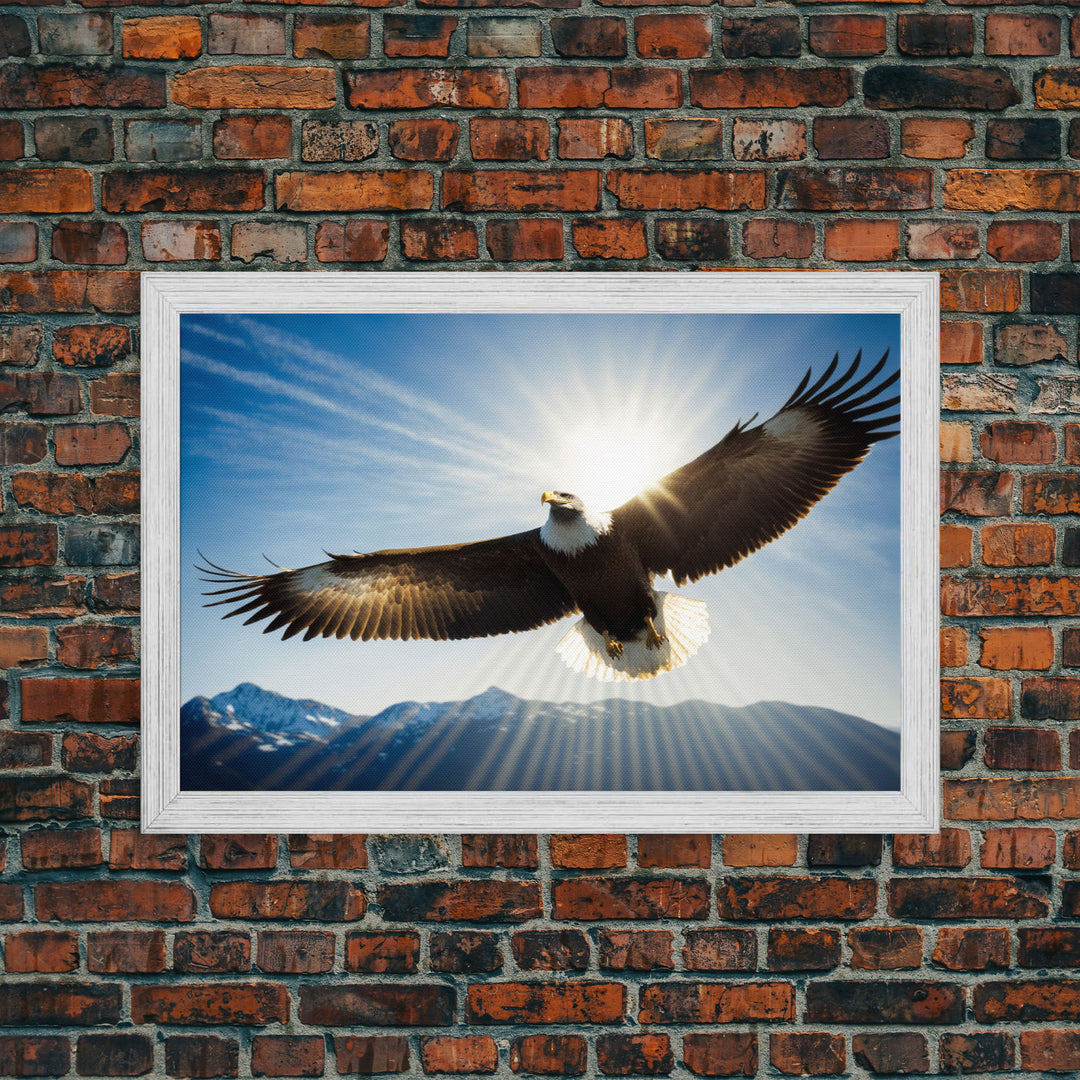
<point x="571" y="527"/>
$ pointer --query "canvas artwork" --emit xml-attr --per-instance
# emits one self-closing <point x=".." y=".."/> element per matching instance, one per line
<point x="540" y="551"/>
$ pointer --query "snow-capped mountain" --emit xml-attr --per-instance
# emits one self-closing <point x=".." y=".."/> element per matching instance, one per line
<point x="251" y="738"/>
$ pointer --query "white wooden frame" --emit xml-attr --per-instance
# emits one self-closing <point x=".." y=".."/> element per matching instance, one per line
<point x="167" y="809"/>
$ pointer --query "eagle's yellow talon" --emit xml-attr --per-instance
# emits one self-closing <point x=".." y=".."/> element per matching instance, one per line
<point x="614" y="648"/>
<point x="653" y="638"/>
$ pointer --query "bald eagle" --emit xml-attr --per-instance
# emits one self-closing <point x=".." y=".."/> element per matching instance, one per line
<point x="753" y="485"/>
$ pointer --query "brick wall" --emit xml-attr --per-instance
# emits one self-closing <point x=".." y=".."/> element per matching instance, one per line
<point x="547" y="134"/>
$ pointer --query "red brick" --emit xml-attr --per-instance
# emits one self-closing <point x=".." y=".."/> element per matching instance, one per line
<point x="1022" y="35"/>
<point x="1024" y="647"/>
<point x="61" y="849"/>
<point x="46" y="191"/>
<point x="1050" y="494"/>
<point x="94" y="646"/>
<point x="1008" y="799"/>
<point x="807" y="1053"/>
<point x="1050" y="698"/>
<point x="1018" y="442"/>
<point x="843" y="849"/>
<point x="954" y="646"/>
<point x="344" y="851"/>
<point x="980" y="494"/>
<point x="1018" y="545"/>
<point x="461" y="1054"/>
<point x="115" y="395"/>
<point x="957" y="748"/>
<point x="181" y="241"/>
<point x="847" y="35"/>
<point x="202" y="951"/>
<point x="935" y="35"/>
<point x="1017" y="849"/>
<point x="667" y="37"/>
<point x="610" y="238"/>
<point x="567" y="1002"/>
<point x="1027" y="999"/>
<point x="650" y="189"/>
<point x="40" y="798"/>
<point x="885" y="948"/>
<point x="550" y="950"/>
<point x="975" y="697"/>
<point x="764" y="140"/>
<point x="23" y="646"/>
<point x="972" y="948"/>
<point x="629" y="898"/>
<point x="882" y="189"/>
<point x="684" y="140"/>
<point x="87" y="243"/>
<point x="92" y="701"/>
<point x="693" y="239"/>
<point x="900" y="1052"/>
<point x="352" y="241"/>
<point x="716" y="1003"/>
<point x="382" y="952"/>
<point x="635" y="950"/>
<point x="107" y="901"/>
<point x="1019" y="344"/>
<point x="83" y="751"/>
<point x="422" y="88"/>
<point x="673" y="850"/>
<point x="19" y="343"/>
<point x="721" y="1053"/>
<point x="96" y="345"/>
<point x="795" y="898"/>
<point x="338" y="140"/>
<point x="34" y="1055"/>
<point x="922" y="137"/>
<point x="423" y="139"/>
<point x="468" y="900"/>
<point x="521" y="239"/>
<point x="11" y="140"/>
<point x="417" y="35"/>
<point x="590" y="138"/>
<point x="980" y="290"/>
<point x="522" y="190"/>
<point x="254" y="87"/>
<point x="948" y="848"/>
<point x="28" y="545"/>
<point x="1024" y="241"/>
<point x="295" y="952"/>
<point x="64" y="1004"/>
<point x="983" y="1051"/>
<point x="856" y="137"/>
<point x="41" y="393"/>
<point x="125" y="951"/>
<point x="643" y="1054"/>
<point x="41" y="951"/>
<point x="769" y="87"/>
<point x="251" y="1004"/>
<point x="549" y="1055"/>
<point x="803" y="950"/>
<point x="855" y="1001"/>
<point x="583" y="37"/>
<point x="951" y="898"/>
<point x="942" y="240"/>
<point x="720" y="950"/>
<point x="370" y="1054"/>
<point x="515" y="139"/>
<point x="323" y="901"/>
<point x="862" y="240"/>
<point x="777" y="238"/>
<point x="339" y="37"/>
<point x="287" y="1055"/>
<point x="238" y="138"/>
<point x="464" y="951"/>
<point x="238" y="852"/>
<point x="594" y="87"/>
<point x="752" y="849"/>
<point x="372" y="189"/>
<point x="25" y="750"/>
<point x="1010" y="189"/>
<point x="162" y="37"/>
<point x="351" y="1004"/>
<point x="1050" y="1051"/>
<point x="113" y="292"/>
<point x="979" y="392"/>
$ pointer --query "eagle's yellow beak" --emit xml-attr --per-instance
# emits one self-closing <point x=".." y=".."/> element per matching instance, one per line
<point x="550" y="496"/>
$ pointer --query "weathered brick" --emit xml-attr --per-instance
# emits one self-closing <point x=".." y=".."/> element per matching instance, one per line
<point x="350" y="1004"/>
<point x="126" y="191"/>
<point x="843" y="849"/>
<point x="305" y="952"/>
<point x="61" y="849"/>
<point x="1029" y="648"/>
<point x="337" y="36"/>
<point x="355" y="240"/>
<point x="1027" y="999"/>
<point x="59" y="1004"/>
<point x="721" y="1053"/>
<point x="648" y="189"/>
<point x="1022" y="35"/>
<point x="581" y="37"/>
<point x="371" y="1054"/>
<point x="767" y="140"/>
<point x="880" y="189"/>
<point x="795" y="898"/>
<point x="14" y="36"/>
<point x="25" y="750"/>
<point x="1017" y="849"/>
<point x="643" y="1054"/>
<point x="857" y="1001"/>
<point x="635" y="950"/>
<point x="249" y="1004"/>
<point x="895" y="1053"/>
<point x="19" y="344"/>
<point x="372" y="189"/>
<point x="41" y="951"/>
<point x="163" y="140"/>
<point x="322" y="901"/>
<point x="114" y="900"/>
<point x="1057" y="88"/>
<point x="18" y="240"/>
<point x="523" y="239"/>
<point x="1011" y="189"/>
<point x="525" y="190"/>
<point x="778" y="35"/>
<point x="803" y="950"/>
<point x="423" y="139"/>
<point x="287" y="1055"/>
<point x="201" y="1056"/>
<point x="422" y="88"/>
<point x="720" y="950"/>
<point x="889" y="86"/>
<point x="972" y="948"/>
<point x="113" y="292"/>
<point x="442" y="901"/>
<point x="948" y="848"/>
<point x="855" y="137"/>
<point x="549" y="1055"/>
<point x="162" y="37"/>
<point x="345" y="851"/>
<point x="65" y="86"/>
<point x="1018" y="344"/>
<point x="464" y="950"/>
<point x="769" y="87"/>
<point x="862" y="240"/>
<point x="381" y="952"/>
<point x="665" y="37"/>
<point x="1023" y="140"/>
<point x="250" y="33"/>
<point x="921" y="137"/>
<point x="254" y="87"/>
<point x="935" y="35"/>
<point x="942" y="240"/>
<point x="610" y="238"/>
<point x="716" y="1003"/>
<point x="499" y="36"/>
<point x="1050" y="1050"/>
<point x="239" y="138"/>
<point x="753" y="849"/>
<point x="885" y="948"/>
<point x="34" y="1055"/>
<point x="629" y="898"/>
<point x="550" y="950"/>
<point x="982" y="1051"/>
<point x="954" y="646"/>
<point x="338" y="140"/>
<point x="807" y="1053"/>
<point x="115" y="395"/>
<point x="777" y="238"/>
<point x="1024" y="241"/>
<point x="1055" y="294"/>
<point x="91" y="444"/>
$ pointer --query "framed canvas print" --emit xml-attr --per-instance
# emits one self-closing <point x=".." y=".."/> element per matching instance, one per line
<point x="546" y="552"/>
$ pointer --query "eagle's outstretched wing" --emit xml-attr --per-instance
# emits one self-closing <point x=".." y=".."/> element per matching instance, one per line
<point x="456" y="591"/>
<point x="758" y="482"/>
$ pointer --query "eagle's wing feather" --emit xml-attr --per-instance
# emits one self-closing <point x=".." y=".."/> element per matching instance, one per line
<point x="758" y="482"/>
<point x="452" y="592"/>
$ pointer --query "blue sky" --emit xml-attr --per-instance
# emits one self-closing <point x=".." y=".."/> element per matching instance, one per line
<point x="305" y="433"/>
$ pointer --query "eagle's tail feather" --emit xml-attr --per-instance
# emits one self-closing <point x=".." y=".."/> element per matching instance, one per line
<point x="684" y="623"/>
